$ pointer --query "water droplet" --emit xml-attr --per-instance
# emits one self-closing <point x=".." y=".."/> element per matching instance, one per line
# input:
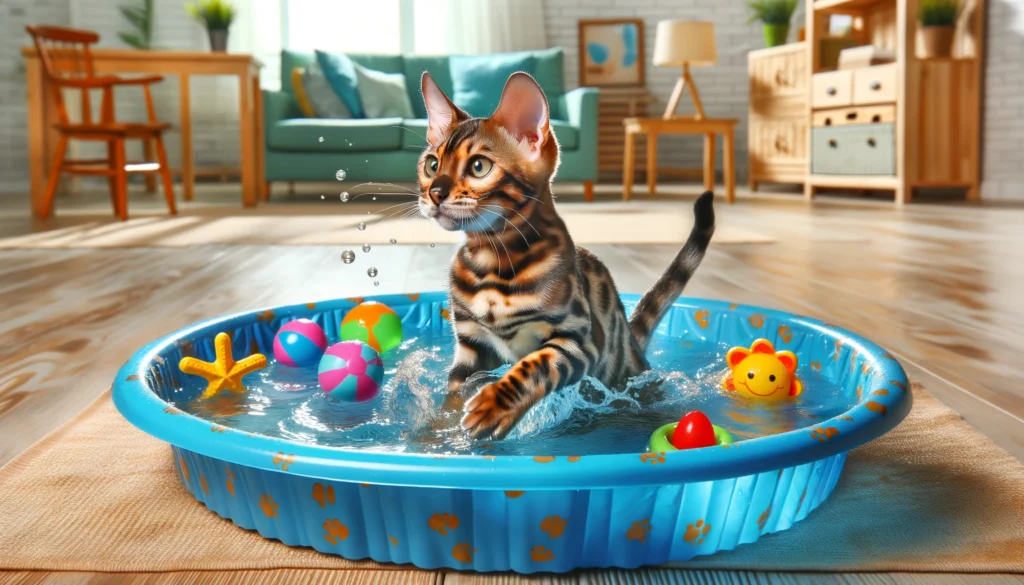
<point x="321" y="197"/>
<point x="321" y="139"/>
<point x="348" y="256"/>
<point x="340" y="175"/>
<point x="366" y="247"/>
<point x="362" y="226"/>
<point x="431" y="245"/>
<point x="375" y="283"/>
<point x="394" y="241"/>
<point x="374" y="198"/>
<point x="344" y="196"/>
<point x="371" y="271"/>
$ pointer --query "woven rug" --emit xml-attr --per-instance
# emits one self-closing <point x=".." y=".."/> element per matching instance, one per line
<point x="98" y="495"/>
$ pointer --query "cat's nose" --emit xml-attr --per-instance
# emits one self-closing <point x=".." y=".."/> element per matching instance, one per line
<point x="439" y="189"/>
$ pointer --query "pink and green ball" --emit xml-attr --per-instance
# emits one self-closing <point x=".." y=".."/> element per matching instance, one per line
<point x="373" y="323"/>
<point x="351" y="371"/>
<point x="299" y="343"/>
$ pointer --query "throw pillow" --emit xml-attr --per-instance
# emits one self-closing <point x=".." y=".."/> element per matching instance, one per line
<point x="479" y="79"/>
<point x="340" y="72"/>
<point x="321" y="95"/>
<point x="383" y="94"/>
<point x="300" y="93"/>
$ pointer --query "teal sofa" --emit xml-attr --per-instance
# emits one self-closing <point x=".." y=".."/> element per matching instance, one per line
<point x="387" y="149"/>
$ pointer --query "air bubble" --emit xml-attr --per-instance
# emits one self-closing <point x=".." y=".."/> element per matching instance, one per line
<point x="366" y="247"/>
<point x="431" y="245"/>
<point x="394" y="241"/>
<point x="340" y="175"/>
<point x="371" y="271"/>
<point x="362" y="226"/>
<point x="344" y="196"/>
<point x="348" y="256"/>
<point x="321" y="139"/>
<point x="375" y="283"/>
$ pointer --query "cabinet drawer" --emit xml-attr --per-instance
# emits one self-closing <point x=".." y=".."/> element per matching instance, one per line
<point x="874" y="85"/>
<point x="778" y="73"/>
<point x="865" y="149"/>
<point x="777" y="139"/>
<point x="855" y="115"/>
<point x="832" y="89"/>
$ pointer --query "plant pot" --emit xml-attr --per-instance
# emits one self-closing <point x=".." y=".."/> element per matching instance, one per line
<point x="775" y="34"/>
<point x="936" y="41"/>
<point x="218" y="40"/>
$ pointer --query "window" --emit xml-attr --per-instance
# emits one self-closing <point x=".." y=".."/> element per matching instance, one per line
<point x="348" y="26"/>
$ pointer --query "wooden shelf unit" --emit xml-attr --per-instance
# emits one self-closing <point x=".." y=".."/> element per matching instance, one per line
<point x="937" y="102"/>
<point x="778" y="126"/>
<point x="613" y="106"/>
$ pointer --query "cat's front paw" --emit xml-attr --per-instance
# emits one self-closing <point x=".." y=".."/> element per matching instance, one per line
<point x="490" y="413"/>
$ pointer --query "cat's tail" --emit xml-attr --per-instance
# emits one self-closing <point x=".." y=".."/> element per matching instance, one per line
<point x="656" y="302"/>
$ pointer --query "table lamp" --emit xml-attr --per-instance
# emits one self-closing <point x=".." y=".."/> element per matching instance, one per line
<point x="684" y="43"/>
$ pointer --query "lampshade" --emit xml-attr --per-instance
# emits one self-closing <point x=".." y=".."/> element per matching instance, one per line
<point x="685" y="41"/>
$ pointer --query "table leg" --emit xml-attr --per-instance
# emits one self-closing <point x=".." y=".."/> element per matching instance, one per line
<point x="729" y="153"/>
<point x="188" y="173"/>
<point x="628" y="165"/>
<point x="246" y="131"/>
<point x="38" y="156"/>
<point x="652" y="163"/>
<point x="709" y="162"/>
<point x="261" y="171"/>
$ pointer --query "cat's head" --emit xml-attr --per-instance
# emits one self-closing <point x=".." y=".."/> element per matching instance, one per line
<point x="475" y="172"/>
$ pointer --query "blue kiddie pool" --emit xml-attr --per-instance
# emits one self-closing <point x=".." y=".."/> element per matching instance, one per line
<point x="573" y="486"/>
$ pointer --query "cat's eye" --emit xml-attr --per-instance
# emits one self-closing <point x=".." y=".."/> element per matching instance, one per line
<point x="480" y="166"/>
<point x="430" y="166"/>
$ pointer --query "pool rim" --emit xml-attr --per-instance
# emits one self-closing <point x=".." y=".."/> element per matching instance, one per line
<point x="856" y="426"/>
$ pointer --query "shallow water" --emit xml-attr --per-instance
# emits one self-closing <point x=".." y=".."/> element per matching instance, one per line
<point x="586" y="419"/>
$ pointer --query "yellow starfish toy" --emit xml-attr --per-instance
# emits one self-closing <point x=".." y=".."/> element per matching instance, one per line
<point x="224" y="371"/>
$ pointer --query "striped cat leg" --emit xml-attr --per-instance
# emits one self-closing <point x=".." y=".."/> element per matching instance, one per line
<point x="497" y="407"/>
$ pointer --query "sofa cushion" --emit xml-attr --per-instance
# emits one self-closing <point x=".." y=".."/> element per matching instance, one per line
<point x="414" y="132"/>
<point x="438" y="67"/>
<point x="479" y="79"/>
<point x="341" y="72"/>
<point x="300" y="93"/>
<point x="321" y="96"/>
<point x="383" y="94"/>
<point x="303" y="135"/>
<point x="289" y="61"/>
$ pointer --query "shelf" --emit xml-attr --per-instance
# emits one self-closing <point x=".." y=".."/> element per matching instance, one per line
<point x="854" y="181"/>
<point x="841" y="6"/>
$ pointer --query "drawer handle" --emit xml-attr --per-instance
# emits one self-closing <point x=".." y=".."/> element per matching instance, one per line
<point x="851" y="115"/>
<point x="833" y="142"/>
<point x="780" y="79"/>
<point x="876" y="118"/>
<point x="876" y="85"/>
<point x="831" y="91"/>
<point x="780" y="144"/>
<point x="828" y="121"/>
<point x="871" y="142"/>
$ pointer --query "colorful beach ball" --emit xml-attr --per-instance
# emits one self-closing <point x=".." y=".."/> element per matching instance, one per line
<point x="351" y="371"/>
<point x="373" y="323"/>
<point x="299" y="343"/>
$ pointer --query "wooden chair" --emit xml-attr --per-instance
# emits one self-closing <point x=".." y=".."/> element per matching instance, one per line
<point x="67" y="64"/>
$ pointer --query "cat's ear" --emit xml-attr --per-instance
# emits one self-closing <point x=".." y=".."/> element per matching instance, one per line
<point x="442" y="114"/>
<point x="523" y="112"/>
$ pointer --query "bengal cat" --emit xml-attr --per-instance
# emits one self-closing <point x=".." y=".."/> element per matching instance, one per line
<point x="520" y="291"/>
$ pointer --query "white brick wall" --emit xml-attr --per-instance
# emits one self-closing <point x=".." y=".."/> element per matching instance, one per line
<point x="1003" y="133"/>
<point x="723" y="87"/>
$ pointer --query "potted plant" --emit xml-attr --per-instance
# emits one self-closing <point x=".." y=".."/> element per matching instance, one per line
<point x="775" y="14"/>
<point x="140" y="17"/>
<point x="937" y="19"/>
<point x="216" y="16"/>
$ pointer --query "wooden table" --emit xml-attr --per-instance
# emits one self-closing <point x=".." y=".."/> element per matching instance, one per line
<point x="655" y="127"/>
<point x="42" y="109"/>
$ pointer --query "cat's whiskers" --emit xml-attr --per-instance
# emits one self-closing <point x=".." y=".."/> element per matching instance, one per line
<point x="507" y="255"/>
<point x="528" y="244"/>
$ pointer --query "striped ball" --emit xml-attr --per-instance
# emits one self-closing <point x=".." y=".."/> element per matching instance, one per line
<point x="299" y="343"/>
<point x="351" y="371"/>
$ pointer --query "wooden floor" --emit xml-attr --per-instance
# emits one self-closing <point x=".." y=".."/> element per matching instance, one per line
<point x="938" y="285"/>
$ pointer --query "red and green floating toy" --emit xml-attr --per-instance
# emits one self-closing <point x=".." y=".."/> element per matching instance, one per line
<point x="693" y="431"/>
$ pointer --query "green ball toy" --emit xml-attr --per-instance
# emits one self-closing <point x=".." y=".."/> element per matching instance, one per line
<point x="373" y="323"/>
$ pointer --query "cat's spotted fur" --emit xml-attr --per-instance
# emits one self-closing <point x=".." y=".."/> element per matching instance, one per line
<point x="520" y="291"/>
